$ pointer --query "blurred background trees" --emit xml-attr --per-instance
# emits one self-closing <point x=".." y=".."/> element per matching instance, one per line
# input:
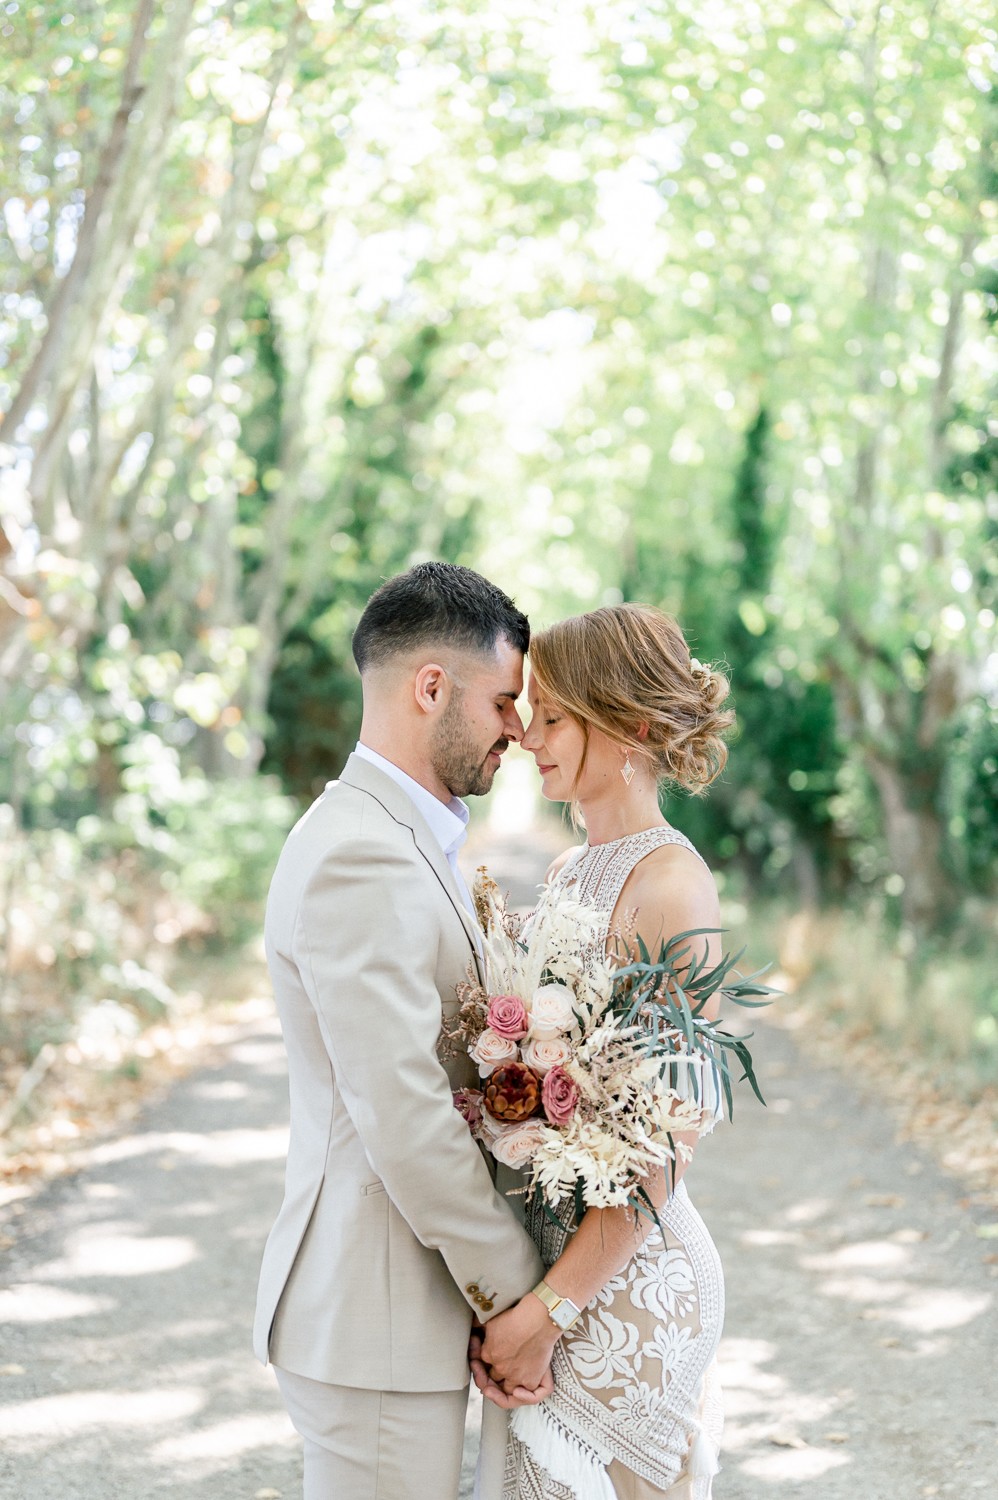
<point x="693" y="303"/>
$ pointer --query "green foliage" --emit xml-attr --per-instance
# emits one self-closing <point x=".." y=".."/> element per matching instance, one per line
<point x="224" y="839"/>
<point x="935" y="1001"/>
<point x="970" y="796"/>
<point x="97" y="914"/>
<point x="774" y="799"/>
<point x="692" y="306"/>
<point x="315" y="708"/>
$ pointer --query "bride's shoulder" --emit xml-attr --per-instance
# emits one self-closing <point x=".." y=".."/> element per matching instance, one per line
<point x="670" y="877"/>
<point x="557" y="865"/>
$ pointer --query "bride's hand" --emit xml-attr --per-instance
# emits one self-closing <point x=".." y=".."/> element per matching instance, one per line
<point x="492" y="1391"/>
<point x="518" y="1345"/>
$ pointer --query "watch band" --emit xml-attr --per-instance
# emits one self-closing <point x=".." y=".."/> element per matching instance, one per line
<point x="561" y="1310"/>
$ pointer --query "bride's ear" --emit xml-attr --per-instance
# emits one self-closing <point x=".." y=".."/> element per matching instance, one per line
<point x="643" y="728"/>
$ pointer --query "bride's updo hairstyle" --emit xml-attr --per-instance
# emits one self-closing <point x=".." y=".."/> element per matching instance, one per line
<point x="619" y="668"/>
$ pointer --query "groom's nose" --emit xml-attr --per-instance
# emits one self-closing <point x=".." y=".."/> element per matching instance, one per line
<point x="512" y="724"/>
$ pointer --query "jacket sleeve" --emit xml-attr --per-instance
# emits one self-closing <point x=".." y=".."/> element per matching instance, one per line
<point x="365" y="943"/>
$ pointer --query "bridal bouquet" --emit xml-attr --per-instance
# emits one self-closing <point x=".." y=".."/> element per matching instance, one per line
<point x="590" y="1069"/>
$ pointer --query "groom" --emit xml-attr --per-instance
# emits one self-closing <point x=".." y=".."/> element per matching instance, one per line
<point x="391" y="1240"/>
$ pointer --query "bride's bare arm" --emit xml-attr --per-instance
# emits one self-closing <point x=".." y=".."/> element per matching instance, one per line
<point x="671" y="895"/>
<point x="672" y="891"/>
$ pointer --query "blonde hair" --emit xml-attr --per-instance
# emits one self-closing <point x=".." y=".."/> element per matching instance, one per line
<point x="627" y="666"/>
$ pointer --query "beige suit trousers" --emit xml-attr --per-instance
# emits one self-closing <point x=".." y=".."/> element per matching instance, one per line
<point x="376" y="1445"/>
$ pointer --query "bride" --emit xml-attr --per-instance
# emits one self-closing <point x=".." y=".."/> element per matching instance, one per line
<point x="618" y="705"/>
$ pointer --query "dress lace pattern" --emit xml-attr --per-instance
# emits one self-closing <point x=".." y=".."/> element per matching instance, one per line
<point x="635" y="1412"/>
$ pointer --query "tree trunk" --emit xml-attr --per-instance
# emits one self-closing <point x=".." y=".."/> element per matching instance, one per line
<point x="914" y="836"/>
<point x="65" y="302"/>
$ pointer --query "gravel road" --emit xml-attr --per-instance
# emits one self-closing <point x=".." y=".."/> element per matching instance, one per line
<point x="861" y="1341"/>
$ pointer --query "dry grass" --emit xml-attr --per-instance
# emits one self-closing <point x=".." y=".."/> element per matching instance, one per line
<point x="916" y="1024"/>
<point x="83" y="1093"/>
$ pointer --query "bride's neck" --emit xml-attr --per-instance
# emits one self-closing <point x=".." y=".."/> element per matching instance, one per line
<point x="615" y="814"/>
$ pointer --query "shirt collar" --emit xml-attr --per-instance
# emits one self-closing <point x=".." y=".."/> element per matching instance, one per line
<point x="447" y="821"/>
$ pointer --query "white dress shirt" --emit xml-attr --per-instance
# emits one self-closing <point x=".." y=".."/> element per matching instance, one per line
<point x="447" y="821"/>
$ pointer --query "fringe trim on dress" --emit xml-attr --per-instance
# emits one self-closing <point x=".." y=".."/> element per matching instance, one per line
<point x="563" y="1455"/>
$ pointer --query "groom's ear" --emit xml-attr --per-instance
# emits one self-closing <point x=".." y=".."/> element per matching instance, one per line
<point x="431" y="687"/>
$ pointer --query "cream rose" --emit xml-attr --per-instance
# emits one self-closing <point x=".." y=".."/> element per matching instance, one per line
<point x="515" y="1145"/>
<point x="488" y="1130"/>
<point x="542" y="1054"/>
<point x="551" y="1012"/>
<point x="491" y="1050"/>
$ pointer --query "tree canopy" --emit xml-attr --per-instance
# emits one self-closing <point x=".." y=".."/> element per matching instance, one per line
<point x="693" y="303"/>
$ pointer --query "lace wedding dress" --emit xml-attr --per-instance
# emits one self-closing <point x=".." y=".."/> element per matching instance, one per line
<point x="636" y="1409"/>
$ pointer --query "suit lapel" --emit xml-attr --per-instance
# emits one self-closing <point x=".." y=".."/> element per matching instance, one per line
<point x="367" y="778"/>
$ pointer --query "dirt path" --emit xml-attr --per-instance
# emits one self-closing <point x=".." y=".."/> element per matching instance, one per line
<point x="861" y="1336"/>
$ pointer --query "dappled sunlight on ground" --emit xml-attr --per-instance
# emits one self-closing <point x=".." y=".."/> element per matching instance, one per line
<point x="791" y="1464"/>
<point x="217" y="1446"/>
<point x="105" y="1253"/>
<point x="129" y="1316"/>
<point x="220" y="1148"/>
<point x="759" y="1400"/>
<point x="38" y="1303"/>
<point x="855" y="1305"/>
<point x="869" y="1254"/>
<point x="60" y="1417"/>
<point x="933" y="1309"/>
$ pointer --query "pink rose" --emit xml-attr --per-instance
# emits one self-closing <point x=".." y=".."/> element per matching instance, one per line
<point x="492" y="1050"/>
<point x="508" y="1017"/>
<point x="542" y="1056"/>
<point x="559" y="1095"/>
<point x="468" y="1103"/>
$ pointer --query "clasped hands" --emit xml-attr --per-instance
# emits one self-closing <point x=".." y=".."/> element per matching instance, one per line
<point x="511" y="1358"/>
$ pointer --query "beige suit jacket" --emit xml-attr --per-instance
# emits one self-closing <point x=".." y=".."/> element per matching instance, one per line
<point x="391" y="1233"/>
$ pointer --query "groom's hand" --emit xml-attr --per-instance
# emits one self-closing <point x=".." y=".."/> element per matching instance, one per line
<point x="518" y="1345"/>
<point x="494" y="1392"/>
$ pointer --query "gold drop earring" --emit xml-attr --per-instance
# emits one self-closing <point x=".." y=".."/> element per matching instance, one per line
<point x="627" y="770"/>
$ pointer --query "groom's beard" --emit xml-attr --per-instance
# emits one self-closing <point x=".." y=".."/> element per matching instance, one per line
<point x="458" y="761"/>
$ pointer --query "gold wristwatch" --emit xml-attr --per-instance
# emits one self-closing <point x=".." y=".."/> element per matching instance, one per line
<point x="562" y="1312"/>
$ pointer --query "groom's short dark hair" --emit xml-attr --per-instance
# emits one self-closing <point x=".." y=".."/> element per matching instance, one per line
<point x="436" y="601"/>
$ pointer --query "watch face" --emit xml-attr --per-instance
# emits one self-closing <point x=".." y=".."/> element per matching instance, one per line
<point x="565" y="1314"/>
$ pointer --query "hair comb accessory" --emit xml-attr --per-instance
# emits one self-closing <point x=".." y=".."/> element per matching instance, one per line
<point x="698" y="669"/>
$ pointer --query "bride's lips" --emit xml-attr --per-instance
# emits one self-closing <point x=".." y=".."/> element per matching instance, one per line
<point x="544" y="769"/>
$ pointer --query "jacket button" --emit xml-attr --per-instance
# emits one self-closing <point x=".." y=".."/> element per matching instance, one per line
<point x="472" y="1288"/>
<point x="486" y="1304"/>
